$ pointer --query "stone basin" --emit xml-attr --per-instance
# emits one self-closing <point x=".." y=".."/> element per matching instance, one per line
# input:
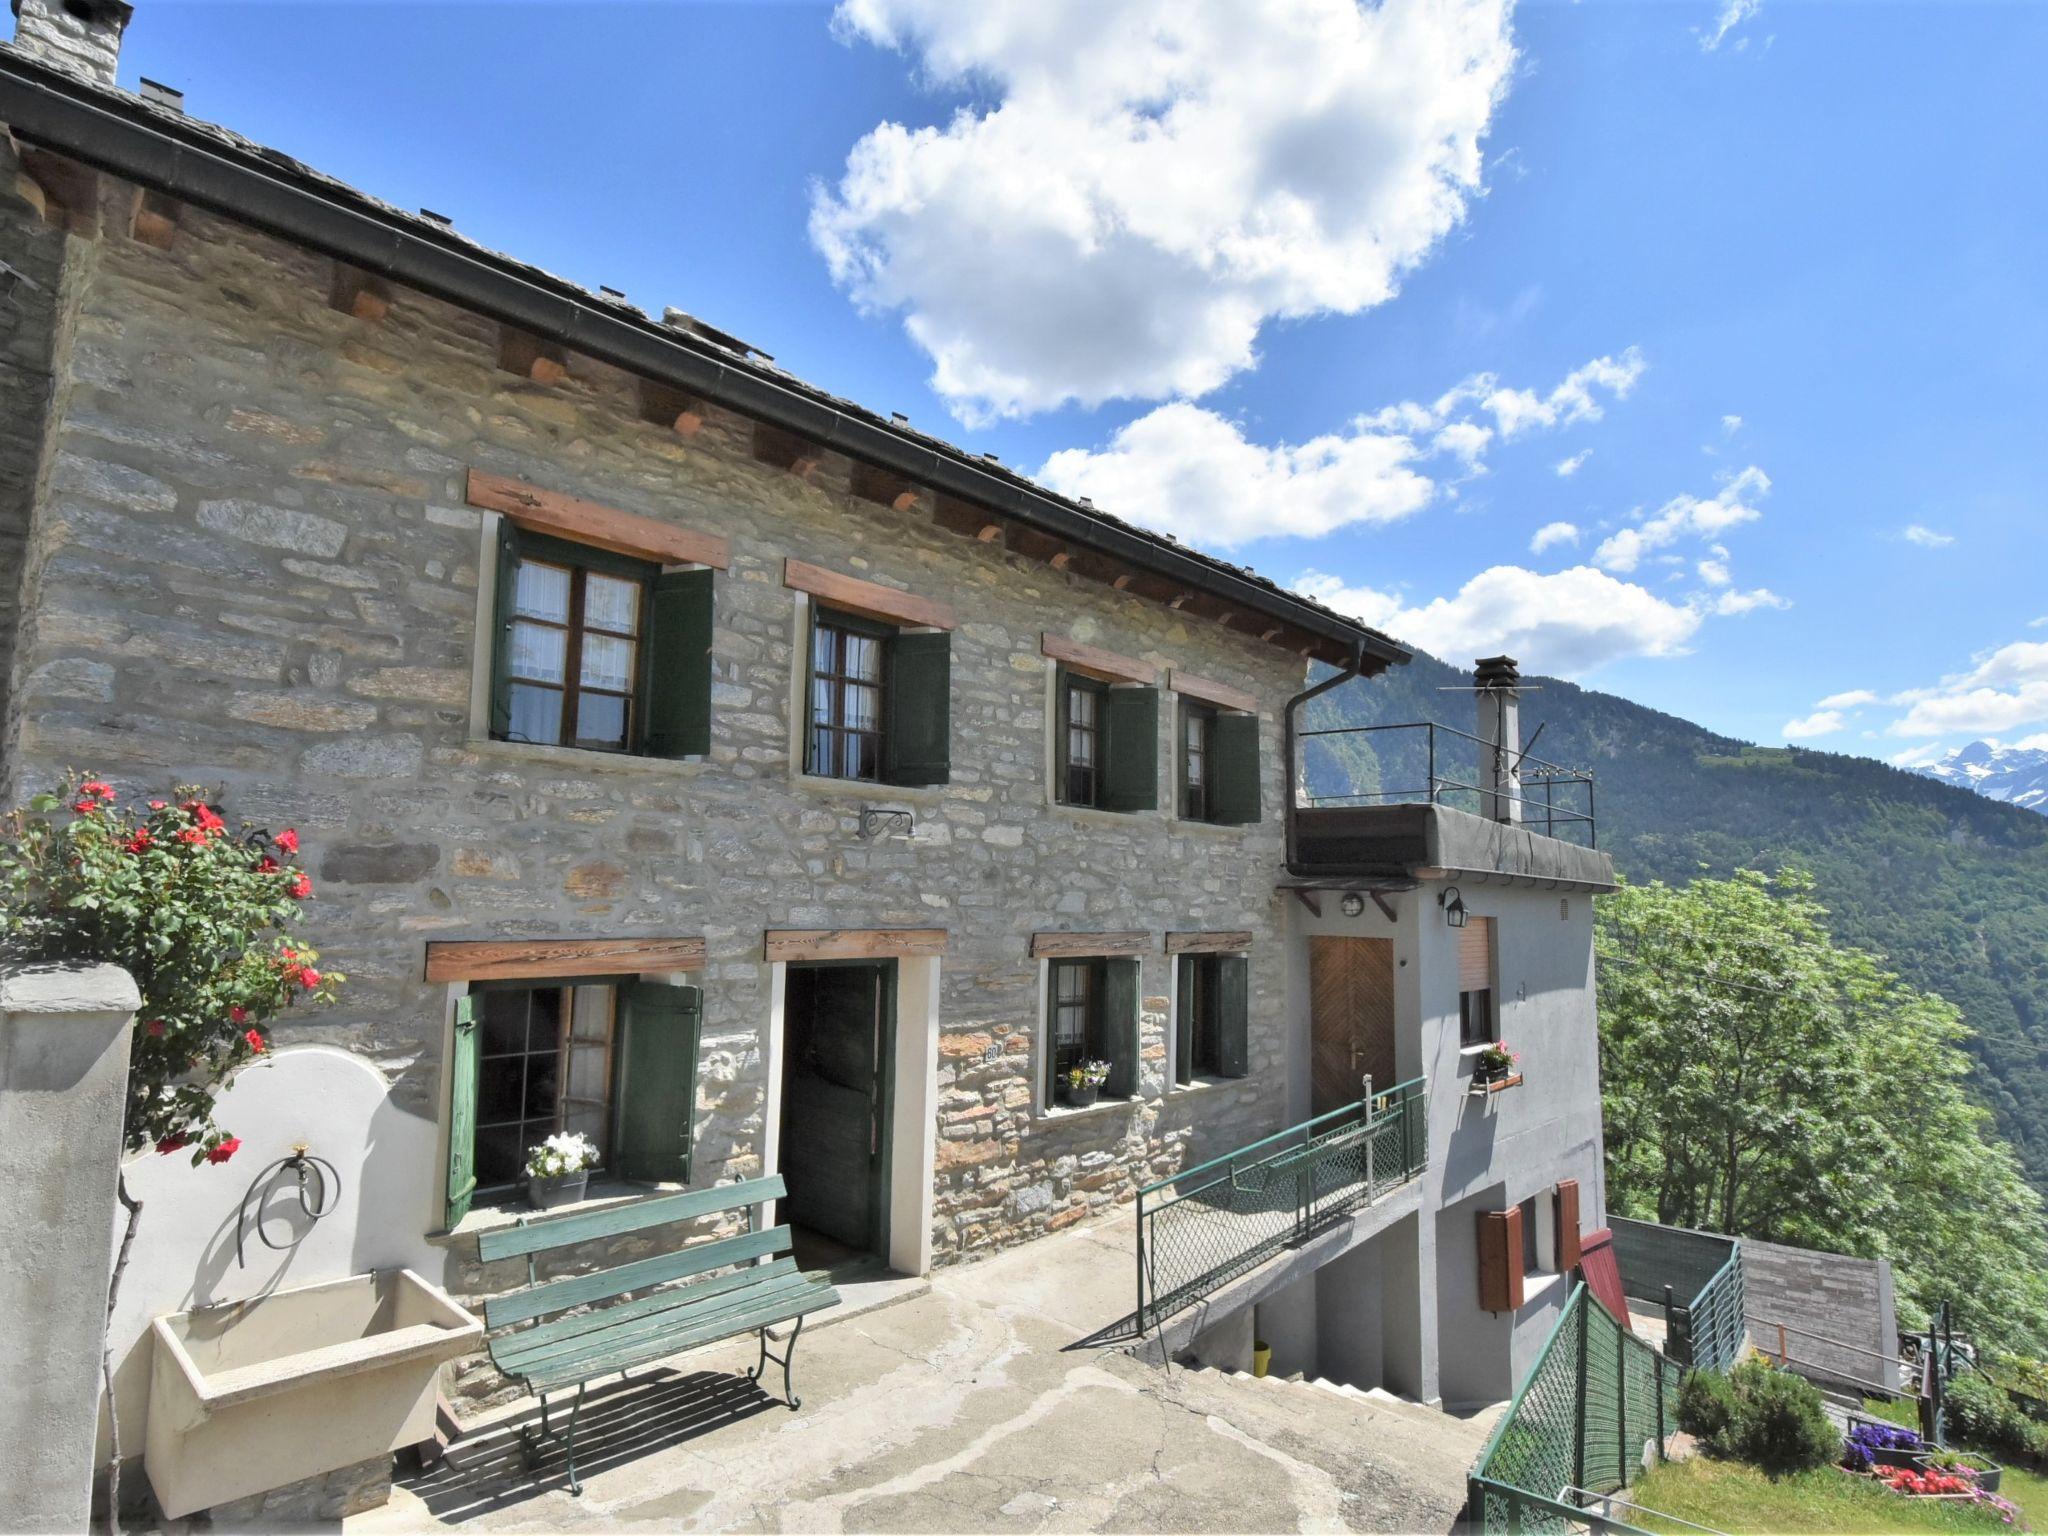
<point x="250" y="1396"/>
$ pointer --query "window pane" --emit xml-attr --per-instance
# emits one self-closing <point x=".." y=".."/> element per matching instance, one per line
<point x="586" y="1073"/>
<point x="601" y="719"/>
<point x="504" y="1023"/>
<point x="542" y="591"/>
<point x="863" y="658"/>
<point x="501" y="1083"/>
<point x="539" y="653"/>
<point x="607" y="663"/>
<point x="1080" y="748"/>
<point x="1081" y="706"/>
<point x="500" y="1158"/>
<point x="585" y="1120"/>
<point x="536" y="715"/>
<point x="547" y="1019"/>
<point x="543" y="1083"/>
<point x="864" y="757"/>
<point x="823" y="645"/>
<point x="609" y="603"/>
<point x="590" y="1013"/>
<point x="863" y="707"/>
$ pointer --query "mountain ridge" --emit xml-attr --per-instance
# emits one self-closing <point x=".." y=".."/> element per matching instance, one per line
<point x="1949" y="885"/>
<point x="2015" y="774"/>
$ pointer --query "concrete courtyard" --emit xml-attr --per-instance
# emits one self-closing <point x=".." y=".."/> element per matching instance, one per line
<point x="1001" y="1397"/>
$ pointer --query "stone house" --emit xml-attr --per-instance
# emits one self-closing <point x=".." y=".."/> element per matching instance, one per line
<point x="739" y="776"/>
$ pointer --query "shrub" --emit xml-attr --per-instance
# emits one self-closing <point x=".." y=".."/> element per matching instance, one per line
<point x="1706" y="1406"/>
<point x="1780" y="1421"/>
<point x="1983" y="1414"/>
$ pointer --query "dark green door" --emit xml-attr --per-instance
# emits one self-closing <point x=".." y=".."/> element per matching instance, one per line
<point x="836" y="1024"/>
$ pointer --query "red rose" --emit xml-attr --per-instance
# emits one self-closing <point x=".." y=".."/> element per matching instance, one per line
<point x="158" y="805"/>
<point x="255" y="1041"/>
<point x="191" y="835"/>
<point x="154" y="1028"/>
<point x="303" y="886"/>
<point x="266" y="865"/>
<point x="85" y="807"/>
<point x="98" y="787"/>
<point x="140" y="840"/>
<point x="224" y="1151"/>
<point x="288" y="840"/>
<point x="308" y="977"/>
<point x="239" y="1014"/>
<point x="175" y="1142"/>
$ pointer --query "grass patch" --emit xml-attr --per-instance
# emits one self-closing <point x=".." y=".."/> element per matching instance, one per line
<point x="1728" y="1496"/>
<point x="2029" y="1490"/>
<point x="1902" y="1411"/>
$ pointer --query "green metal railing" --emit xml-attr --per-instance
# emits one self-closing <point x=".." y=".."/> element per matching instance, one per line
<point x="1208" y="1224"/>
<point x="1577" y="1426"/>
<point x="1706" y="1333"/>
<point x="1696" y="1277"/>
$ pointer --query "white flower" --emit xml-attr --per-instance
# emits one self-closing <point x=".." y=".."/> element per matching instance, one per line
<point x="568" y="1152"/>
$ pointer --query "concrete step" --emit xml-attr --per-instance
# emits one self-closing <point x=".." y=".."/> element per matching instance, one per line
<point x="1460" y="1436"/>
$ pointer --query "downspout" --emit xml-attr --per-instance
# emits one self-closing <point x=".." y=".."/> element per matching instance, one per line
<point x="1352" y="669"/>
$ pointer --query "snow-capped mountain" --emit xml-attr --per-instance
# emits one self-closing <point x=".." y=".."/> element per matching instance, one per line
<point x="2016" y="775"/>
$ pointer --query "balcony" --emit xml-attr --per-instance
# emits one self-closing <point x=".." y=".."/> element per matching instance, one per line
<point x="1425" y="801"/>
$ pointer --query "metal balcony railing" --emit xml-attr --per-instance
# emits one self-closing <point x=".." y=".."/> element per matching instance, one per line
<point x="1422" y="762"/>
<point x="1206" y="1225"/>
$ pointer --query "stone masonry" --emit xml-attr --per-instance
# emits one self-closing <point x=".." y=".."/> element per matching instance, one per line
<point x="257" y="572"/>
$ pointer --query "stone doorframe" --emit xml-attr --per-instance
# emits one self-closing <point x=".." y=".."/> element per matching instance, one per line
<point x="913" y="1085"/>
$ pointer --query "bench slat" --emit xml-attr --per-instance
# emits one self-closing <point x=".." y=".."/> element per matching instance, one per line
<point x="561" y="1231"/>
<point x="632" y="1332"/>
<point x="662" y="1346"/>
<point x="600" y="1285"/>
<point x="524" y="1342"/>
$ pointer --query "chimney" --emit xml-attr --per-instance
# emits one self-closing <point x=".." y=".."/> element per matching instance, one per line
<point x="80" y="37"/>
<point x="1497" y="682"/>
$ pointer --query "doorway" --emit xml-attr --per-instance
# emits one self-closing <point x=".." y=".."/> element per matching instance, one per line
<point x="838" y="1027"/>
<point x="1351" y="1019"/>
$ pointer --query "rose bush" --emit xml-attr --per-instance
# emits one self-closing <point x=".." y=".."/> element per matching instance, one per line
<point x="199" y="915"/>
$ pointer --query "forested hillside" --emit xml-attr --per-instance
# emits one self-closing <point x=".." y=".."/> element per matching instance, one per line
<point x="1952" y="887"/>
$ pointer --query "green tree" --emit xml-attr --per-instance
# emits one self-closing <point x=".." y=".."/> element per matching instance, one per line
<point x="1761" y="1080"/>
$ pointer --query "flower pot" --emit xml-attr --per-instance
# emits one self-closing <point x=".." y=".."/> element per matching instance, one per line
<point x="1982" y="1470"/>
<point x="1262" y="1357"/>
<point x="562" y="1189"/>
<point x="1080" y="1098"/>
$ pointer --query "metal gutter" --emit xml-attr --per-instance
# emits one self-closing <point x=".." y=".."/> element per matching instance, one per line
<point x="1289" y="739"/>
<point x="100" y="128"/>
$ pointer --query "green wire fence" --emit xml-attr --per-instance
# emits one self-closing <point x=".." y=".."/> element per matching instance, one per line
<point x="1578" y="1426"/>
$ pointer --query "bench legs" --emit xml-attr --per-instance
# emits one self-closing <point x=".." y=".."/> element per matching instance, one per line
<point x="529" y="1443"/>
<point x="782" y="1360"/>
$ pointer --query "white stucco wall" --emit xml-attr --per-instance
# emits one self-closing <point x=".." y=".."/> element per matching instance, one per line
<point x="340" y="1106"/>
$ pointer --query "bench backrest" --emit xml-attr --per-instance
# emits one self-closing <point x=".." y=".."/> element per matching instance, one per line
<point x="537" y="1236"/>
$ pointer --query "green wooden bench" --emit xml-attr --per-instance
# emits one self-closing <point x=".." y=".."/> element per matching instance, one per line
<point x="677" y="1301"/>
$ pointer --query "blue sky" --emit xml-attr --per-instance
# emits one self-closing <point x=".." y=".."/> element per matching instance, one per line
<point x="1363" y="278"/>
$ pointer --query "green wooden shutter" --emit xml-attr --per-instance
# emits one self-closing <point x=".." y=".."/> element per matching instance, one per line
<point x="1059" y="739"/>
<point x="676" y="680"/>
<point x="463" y="1073"/>
<point x="1184" y="1020"/>
<point x="657" y="1080"/>
<point x="1119" y="1025"/>
<point x="1130" y="776"/>
<point x="1234" y="770"/>
<point x="917" y="731"/>
<point x="1233" y="1015"/>
<point x="501" y="628"/>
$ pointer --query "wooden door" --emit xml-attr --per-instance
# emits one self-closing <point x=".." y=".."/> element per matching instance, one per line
<point x="1351" y="1018"/>
<point x="834" y="1131"/>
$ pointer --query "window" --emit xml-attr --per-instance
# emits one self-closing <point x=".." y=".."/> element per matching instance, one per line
<point x="1219" y="764"/>
<point x="1107" y="743"/>
<point x="1531" y="1228"/>
<point x="1092" y="1015"/>
<point x="879" y="706"/>
<point x="612" y="1060"/>
<point x="1211" y="1018"/>
<point x="1477" y="1024"/>
<point x="599" y="651"/>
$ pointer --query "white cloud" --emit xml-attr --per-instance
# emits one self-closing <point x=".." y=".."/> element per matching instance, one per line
<point x="1571" y="466"/>
<point x="1919" y="757"/>
<point x="1925" y="537"/>
<point x="1553" y="533"/>
<point x="1565" y="624"/>
<point x="1855" y="698"/>
<point x="1684" y="515"/>
<point x="1186" y="470"/>
<point x="2040" y="623"/>
<point x="1136" y="189"/>
<point x="1823" y="722"/>
<point x="1730" y="425"/>
<point x="1733" y="604"/>
<point x="1516" y="411"/>
<point x="1732" y="15"/>
<point x="2006" y="688"/>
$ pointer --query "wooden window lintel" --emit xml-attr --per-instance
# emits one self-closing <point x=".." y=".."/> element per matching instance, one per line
<point x="586" y="522"/>
<point x="552" y="959"/>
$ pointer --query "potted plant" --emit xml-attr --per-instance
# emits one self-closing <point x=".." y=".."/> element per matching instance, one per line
<point x="558" y="1170"/>
<point x="1981" y="1470"/>
<point x="1496" y="1061"/>
<point x="1871" y="1444"/>
<point x="1081" y="1084"/>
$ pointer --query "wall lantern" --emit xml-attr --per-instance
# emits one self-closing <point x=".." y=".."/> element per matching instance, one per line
<point x="1352" y="904"/>
<point x="1453" y="903"/>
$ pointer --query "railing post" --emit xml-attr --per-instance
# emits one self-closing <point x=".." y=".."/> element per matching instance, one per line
<point x="1431" y="729"/>
<point x="1621" y="1398"/>
<point x="1141" y="1261"/>
<point x="1661" y="1363"/>
<point x="1579" y="1404"/>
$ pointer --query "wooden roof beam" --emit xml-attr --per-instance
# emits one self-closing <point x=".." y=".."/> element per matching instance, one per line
<point x="780" y="449"/>
<point x="153" y="221"/>
<point x="356" y="292"/>
<point x="665" y="406"/>
<point x="527" y="355"/>
<point x="884" y="488"/>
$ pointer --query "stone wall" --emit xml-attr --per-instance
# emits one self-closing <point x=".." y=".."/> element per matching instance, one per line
<point x="256" y="550"/>
<point x="1837" y="1311"/>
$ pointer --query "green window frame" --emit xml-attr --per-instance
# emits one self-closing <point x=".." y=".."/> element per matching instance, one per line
<point x="1106" y="744"/>
<point x="1217" y="752"/>
<point x="877" y="704"/>
<point x="1212" y="1019"/>
<point x="633" y="1082"/>
<point x="1092" y="1014"/>
<point x="598" y="651"/>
